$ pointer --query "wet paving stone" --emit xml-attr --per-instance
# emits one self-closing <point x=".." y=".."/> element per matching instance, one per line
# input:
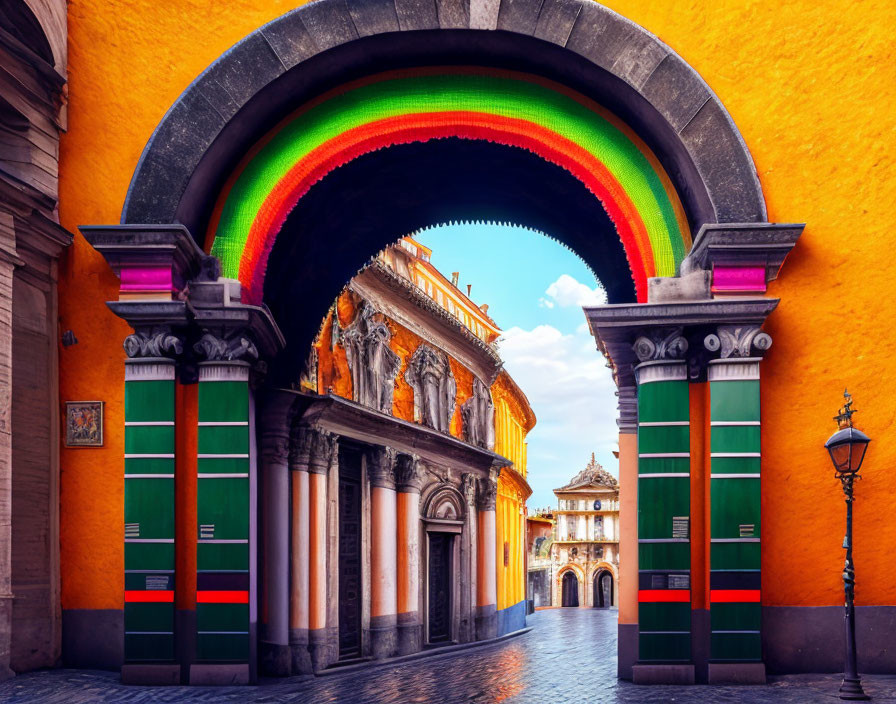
<point x="568" y="656"/>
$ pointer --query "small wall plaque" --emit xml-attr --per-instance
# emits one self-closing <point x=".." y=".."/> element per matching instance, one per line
<point x="747" y="530"/>
<point x="84" y="424"/>
<point x="679" y="581"/>
<point x="680" y="526"/>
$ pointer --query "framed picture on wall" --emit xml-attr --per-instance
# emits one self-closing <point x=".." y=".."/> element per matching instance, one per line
<point x="83" y="423"/>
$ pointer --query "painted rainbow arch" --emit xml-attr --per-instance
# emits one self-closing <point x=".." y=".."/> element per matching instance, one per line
<point x="400" y="107"/>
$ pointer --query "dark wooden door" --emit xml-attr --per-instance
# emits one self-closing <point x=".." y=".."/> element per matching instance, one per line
<point x="350" y="583"/>
<point x="606" y="590"/>
<point x="570" y="594"/>
<point x="440" y="582"/>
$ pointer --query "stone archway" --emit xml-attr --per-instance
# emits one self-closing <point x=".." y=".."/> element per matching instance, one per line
<point x="569" y="590"/>
<point x="681" y="332"/>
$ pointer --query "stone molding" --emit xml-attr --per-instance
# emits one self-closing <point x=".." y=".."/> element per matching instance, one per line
<point x="381" y="467"/>
<point x="661" y="344"/>
<point x="487" y="492"/>
<point x="224" y="371"/>
<point x="667" y="370"/>
<point x="149" y="369"/>
<point x="735" y="369"/>
<point x="627" y="405"/>
<point x="738" y="341"/>
<point x="409" y="474"/>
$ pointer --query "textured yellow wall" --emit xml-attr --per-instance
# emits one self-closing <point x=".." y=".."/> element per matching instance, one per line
<point x="811" y="87"/>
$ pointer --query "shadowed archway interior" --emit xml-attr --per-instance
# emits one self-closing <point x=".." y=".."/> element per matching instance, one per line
<point x="376" y="199"/>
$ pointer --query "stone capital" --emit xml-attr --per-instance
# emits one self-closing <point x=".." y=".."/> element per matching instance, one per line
<point x="381" y="466"/>
<point x="738" y="341"/>
<point x="274" y="447"/>
<point x="408" y="473"/>
<point x="322" y="449"/>
<point x="487" y="492"/>
<point x="158" y="341"/>
<point x="300" y="446"/>
<point x="661" y="344"/>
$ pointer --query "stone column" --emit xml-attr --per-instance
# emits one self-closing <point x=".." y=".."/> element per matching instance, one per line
<point x="149" y="508"/>
<point x="735" y="642"/>
<point x="321" y="455"/>
<point x="664" y="558"/>
<point x="383" y="557"/>
<point x="409" y="481"/>
<point x="276" y="658"/>
<point x="301" y="442"/>
<point x="487" y="592"/>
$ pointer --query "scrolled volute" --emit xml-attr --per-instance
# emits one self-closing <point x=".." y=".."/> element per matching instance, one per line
<point x="159" y="342"/>
<point x="661" y="344"/>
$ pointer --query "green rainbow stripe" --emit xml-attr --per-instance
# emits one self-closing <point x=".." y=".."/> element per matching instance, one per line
<point x="398" y="107"/>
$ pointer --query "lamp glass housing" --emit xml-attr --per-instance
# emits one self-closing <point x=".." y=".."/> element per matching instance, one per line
<point x="847" y="449"/>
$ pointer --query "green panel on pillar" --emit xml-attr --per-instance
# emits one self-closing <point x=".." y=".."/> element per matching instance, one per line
<point x="150" y="504"/>
<point x="663" y="401"/>
<point x="149" y="616"/>
<point x="664" y="438"/>
<point x="148" y="439"/>
<point x="223" y="401"/>
<point x="664" y="616"/>
<point x="735" y="504"/>
<point x="664" y="647"/>
<point x="222" y="617"/>
<point x="735" y="617"/>
<point x="660" y="500"/>
<point x="734" y="556"/>
<point x="149" y="556"/>
<point x="224" y="440"/>
<point x="664" y="465"/>
<point x="223" y="465"/>
<point x="664" y="556"/>
<point x="149" y="647"/>
<point x="224" y="503"/>
<point x="222" y="557"/>
<point x="734" y="400"/>
<point x="735" y="465"/>
<point x="149" y="465"/>
<point x="738" y="647"/>
<point x="734" y="438"/>
<point x="149" y="401"/>
<point x="220" y="647"/>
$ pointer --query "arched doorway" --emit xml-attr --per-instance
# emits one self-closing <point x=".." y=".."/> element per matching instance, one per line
<point x="569" y="589"/>
<point x="602" y="586"/>
<point x="291" y="220"/>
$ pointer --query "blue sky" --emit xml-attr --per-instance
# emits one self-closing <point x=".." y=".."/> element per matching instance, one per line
<point x="535" y="289"/>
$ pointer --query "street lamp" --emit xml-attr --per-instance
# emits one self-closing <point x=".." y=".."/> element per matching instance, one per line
<point x="847" y="449"/>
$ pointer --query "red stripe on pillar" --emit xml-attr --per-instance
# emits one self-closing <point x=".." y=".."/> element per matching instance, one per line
<point x="222" y="597"/>
<point x="672" y="595"/>
<point x="134" y="596"/>
<point x="727" y="596"/>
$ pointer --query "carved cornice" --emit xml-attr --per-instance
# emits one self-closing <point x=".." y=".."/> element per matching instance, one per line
<point x="661" y="344"/>
<point x="409" y="475"/>
<point x="156" y="342"/>
<point x="627" y="405"/>
<point x="738" y="341"/>
<point x="381" y="466"/>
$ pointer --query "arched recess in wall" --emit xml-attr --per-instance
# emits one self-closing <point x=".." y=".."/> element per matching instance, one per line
<point x="419" y="95"/>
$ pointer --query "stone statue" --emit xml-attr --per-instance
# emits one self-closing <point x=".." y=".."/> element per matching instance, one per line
<point x="429" y="374"/>
<point x="478" y="413"/>
<point x="373" y="364"/>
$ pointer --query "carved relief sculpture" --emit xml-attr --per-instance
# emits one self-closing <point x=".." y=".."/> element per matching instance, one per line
<point x="478" y="413"/>
<point x="373" y="364"/>
<point x="429" y="374"/>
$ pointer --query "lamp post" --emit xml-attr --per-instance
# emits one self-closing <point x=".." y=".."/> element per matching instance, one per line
<point x="847" y="449"/>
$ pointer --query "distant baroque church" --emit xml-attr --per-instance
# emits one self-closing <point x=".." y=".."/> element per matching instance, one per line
<point x="579" y="566"/>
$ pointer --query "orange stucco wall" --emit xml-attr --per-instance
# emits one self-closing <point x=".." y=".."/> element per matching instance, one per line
<point x="810" y="85"/>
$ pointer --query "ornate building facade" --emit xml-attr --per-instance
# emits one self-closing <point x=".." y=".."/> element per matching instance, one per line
<point x="585" y="549"/>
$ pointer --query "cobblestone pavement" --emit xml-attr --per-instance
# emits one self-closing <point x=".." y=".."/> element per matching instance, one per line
<point x="568" y="656"/>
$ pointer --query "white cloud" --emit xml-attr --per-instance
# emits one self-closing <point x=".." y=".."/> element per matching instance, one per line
<point x="572" y="393"/>
<point x="567" y="291"/>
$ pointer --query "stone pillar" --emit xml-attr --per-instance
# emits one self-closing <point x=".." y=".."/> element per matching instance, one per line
<point x="627" y="596"/>
<point x="301" y="441"/>
<point x="409" y="481"/>
<point x="321" y="456"/>
<point x="149" y="508"/>
<point x="734" y="580"/>
<point x="224" y="556"/>
<point x="664" y="560"/>
<point x="487" y="591"/>
<point x="276" y="657"/>
<point x="383" y="557"/>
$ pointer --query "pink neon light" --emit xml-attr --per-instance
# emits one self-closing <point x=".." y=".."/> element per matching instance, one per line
<point x="146" y="279"/>
<point x="738" y="278"/>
